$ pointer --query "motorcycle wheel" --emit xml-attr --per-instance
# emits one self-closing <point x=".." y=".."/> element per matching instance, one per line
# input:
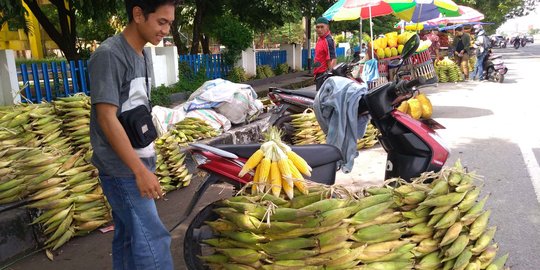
<point x="516" y="45"/>
<point x="490" y="74"/>
<point x="196" y="232"/>
<point x="499" y="77"/>
<point x="503" y="45"/>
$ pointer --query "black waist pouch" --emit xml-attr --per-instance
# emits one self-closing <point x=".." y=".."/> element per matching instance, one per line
<point x="139" y="127"/>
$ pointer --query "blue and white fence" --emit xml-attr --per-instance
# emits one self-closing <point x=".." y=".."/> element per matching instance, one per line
<point x="213" y="64"/>
<point x="48" y="81"/>
<point x="271" y="58"/>
<point x="340" y="51"/>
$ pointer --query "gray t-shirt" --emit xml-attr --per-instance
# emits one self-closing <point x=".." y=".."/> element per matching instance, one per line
<point x="118" y="77"/>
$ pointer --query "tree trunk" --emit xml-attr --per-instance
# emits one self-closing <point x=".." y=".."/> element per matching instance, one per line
<point x="197" y="25"/>
<point x="205" y="42"/>
<point x="64" y="39"/>
<point x="180" y="46"/>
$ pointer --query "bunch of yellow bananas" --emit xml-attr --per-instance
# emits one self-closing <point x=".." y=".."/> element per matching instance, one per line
<point x="170" y="168"/>
<point x="448" y="71"/>
<point x="277" y="167"/>
<point x="418" y="107"/>
<point x="75" y="114"/>
<point x="437" y="225"/>
<point x="308" y="131"/>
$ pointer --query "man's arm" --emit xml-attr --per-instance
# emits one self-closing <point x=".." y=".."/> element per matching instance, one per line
<point x="331" y="61"/>
<point x="147" y="182"/>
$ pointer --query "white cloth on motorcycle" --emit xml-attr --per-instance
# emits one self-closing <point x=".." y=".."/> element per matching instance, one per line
<point x="237" y="102"/>
<point x="336" y="108"/>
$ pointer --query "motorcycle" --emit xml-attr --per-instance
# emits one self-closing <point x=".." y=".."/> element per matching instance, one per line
<point x="517" y="42"/>
<point x="412" y="146"/>
<point x="494" y="68"/>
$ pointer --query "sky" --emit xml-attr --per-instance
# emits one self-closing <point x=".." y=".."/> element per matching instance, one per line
<point x="522" y="24"/>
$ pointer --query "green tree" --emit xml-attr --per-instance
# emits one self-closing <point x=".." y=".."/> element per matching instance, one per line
<point x="62" y="28"/>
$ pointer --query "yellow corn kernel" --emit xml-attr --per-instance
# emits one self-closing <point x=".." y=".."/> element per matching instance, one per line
<point x="299" y="163"/>
<point x="252" y="162"/>
<point x="256" y="177"/>
<point x="275" y="179"/>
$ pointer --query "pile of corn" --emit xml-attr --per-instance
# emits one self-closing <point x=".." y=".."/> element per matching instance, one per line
<point x="440" y="225"/>
<point x="418" y="107"/>
<point x="277" y="167"/>
<point x="45" y="157"/>
<point x="308" y="131"/>
<point x="170" y="168"/>
<point x="448" y="71"/>
<point x="189" y="130"/>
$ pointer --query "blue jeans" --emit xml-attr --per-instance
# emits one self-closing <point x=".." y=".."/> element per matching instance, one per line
<point x="141" y="241"/>
<point x="479" y="66"/>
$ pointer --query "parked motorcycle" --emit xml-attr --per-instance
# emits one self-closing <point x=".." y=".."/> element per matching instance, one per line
<point x="494" y="68"/>
<point x="412" y="146"/>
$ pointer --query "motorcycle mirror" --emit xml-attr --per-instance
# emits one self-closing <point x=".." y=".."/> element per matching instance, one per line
<point x="395" y="63"/>
<point x="410" y="46"/>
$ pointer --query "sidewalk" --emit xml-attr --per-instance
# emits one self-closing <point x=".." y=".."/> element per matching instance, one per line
<point x="290" y="80"/>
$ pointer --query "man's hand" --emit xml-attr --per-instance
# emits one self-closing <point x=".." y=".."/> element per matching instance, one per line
<point x="148" y="185"/>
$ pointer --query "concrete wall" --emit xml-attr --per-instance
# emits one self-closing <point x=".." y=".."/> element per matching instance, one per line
<point x="294" y="55"/>
<point x="165" y="65"/>
<point x="248" y="62"/>
<point x="9" y="85"/>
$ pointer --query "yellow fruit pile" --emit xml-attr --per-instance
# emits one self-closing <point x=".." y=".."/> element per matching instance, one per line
<point x="391" y="44"/>
<point x="277" y="167"/>
<point x="419" y="225"/>
<point x="448" y="71"/>
<point x="418" y="107"/>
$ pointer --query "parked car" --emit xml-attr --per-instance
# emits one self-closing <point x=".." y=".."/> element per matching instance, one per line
<point x="529" y="38"/>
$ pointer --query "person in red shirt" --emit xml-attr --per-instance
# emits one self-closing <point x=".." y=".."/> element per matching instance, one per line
<point x="325" y="50"/>
<point x="435" y="44"/>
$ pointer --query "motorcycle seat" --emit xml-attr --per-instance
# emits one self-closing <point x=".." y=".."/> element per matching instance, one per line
<point x="299" y="92"/>
<point x="495" y="57"/>
<point x="322" y="158"/>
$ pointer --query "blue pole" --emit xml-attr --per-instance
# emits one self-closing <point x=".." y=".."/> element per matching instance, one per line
<point x="83" y="77"/>
<point x="35" y="77"/>
<point x="48" y="94"/>
<point x="24" y="73"/>
<point x="56" y="81"/>
<point x="73" y="74"/>
<point x="63" y="67"/>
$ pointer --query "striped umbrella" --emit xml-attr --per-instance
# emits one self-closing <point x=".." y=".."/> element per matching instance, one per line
<point x="423" y="10"/>
<point x="468" y="15"/>
<point x="343" y="10"/>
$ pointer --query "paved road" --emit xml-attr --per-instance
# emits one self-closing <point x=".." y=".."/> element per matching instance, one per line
<point x="492" y="128"/>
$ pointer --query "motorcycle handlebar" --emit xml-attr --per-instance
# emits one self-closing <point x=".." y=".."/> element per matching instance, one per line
<point x="405" y="87"/>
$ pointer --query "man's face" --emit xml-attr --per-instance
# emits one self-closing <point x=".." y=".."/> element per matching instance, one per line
<point x="157" y="25"/>
<point x="321" y="29"/>
<point x="459" y="32"/>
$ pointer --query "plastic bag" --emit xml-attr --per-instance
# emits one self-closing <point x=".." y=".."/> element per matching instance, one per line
<point x="164" y="118"/>
<point x="370" y="71"/>
<point x="211" y="117"/>
<point x="237" y="102"/>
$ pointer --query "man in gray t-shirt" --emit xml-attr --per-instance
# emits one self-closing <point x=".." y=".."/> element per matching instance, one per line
<point x="119" y="74"/>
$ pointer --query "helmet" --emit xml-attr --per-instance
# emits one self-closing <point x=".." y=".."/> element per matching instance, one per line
<point x="481" y="32"/>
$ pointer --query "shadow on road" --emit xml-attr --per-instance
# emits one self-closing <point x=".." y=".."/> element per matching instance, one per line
<point x="459" y="112"/>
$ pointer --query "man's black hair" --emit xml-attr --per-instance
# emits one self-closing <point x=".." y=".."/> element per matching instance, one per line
<point x="148" y="6"/>
<point x="459" y="29"/>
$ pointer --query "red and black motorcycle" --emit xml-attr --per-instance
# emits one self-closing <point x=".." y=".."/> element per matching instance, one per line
<point x="413" y="148"/>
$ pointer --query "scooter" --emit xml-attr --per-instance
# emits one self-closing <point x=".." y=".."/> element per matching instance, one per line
<point x="289" y="102"/>
<point x="412" y="147"/>
<point x="494" y="68"/>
